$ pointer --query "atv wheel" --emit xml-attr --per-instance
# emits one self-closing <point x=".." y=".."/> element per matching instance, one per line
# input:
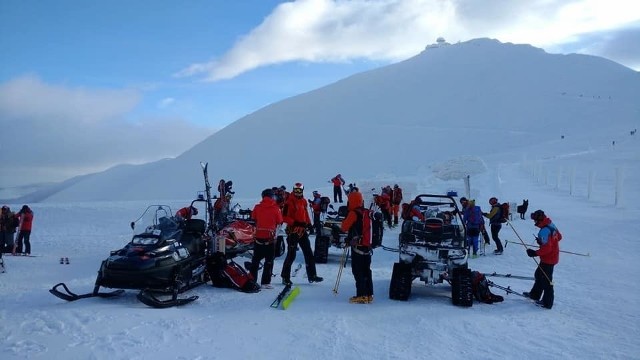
<point x="321" y="251"/>
<point x="400" y="286"/>
<point x="461" y="293"/>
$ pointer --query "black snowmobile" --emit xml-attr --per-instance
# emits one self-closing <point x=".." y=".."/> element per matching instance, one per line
<point x="165" y="257"/>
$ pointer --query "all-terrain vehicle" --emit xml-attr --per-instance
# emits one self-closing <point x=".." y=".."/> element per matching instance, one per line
<point x="433" y="250"/>
<point x="166" y="256"/>
<point x="332" y="236"/>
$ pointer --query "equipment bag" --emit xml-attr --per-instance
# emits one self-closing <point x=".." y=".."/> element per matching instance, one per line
<point x="480" y="288"/>
<point x="239" y="278"/>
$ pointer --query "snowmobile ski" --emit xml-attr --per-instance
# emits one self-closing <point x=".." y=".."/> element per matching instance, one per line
<point x="68" y="295"/>
<point x="494" y="274"/>
<point x="276" y="303"/>
<point x="146" y="297"/>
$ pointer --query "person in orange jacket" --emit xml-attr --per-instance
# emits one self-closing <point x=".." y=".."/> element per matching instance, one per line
<point x="297" y="218"/>
<point x="25" y="216"/>
<point x="384" y="203"/>
<point x="186" y="213"/>
<point x="359" y="237"/>
<point x="268" y="217"/>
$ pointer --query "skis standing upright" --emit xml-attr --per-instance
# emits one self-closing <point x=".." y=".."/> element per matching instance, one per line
<point x="211" y="227"/>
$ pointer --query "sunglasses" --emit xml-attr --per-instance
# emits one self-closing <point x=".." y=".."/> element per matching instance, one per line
<point x="297" y="191"/>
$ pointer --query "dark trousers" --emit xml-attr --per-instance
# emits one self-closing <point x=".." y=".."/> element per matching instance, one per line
<point x="6" y="242"/>
<point x="495" y="229"/>
<point x="361" y="269"/>
<point x="542" y="285"/>
<point x="386" y="215"/>
<point x="317" y="225"/>
<point x="263" y="250"/>
<point x="337" y="194"/>
<point x="293" y="241"/>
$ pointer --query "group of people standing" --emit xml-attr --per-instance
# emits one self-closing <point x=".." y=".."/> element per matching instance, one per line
<point x="10" y="223"/>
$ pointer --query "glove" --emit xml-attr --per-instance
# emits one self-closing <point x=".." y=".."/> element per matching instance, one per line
<point x="531" y="253"/>
<point x="355" y="241"/>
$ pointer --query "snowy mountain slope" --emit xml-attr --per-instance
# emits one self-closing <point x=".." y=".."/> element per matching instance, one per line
<point x="445" y="102"/>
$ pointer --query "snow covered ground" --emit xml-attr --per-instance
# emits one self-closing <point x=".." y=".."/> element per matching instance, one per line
<point x="596" y="313"/>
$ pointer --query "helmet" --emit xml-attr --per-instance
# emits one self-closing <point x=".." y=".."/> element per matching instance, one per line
<point x="395" y="186"/>
<point x="283" y="188"/>
<point x="194" y="210"/>
<point x="538" y="215"/>
<point x="268" y="193"/>
<point x="298" y="188"/>
<point x="316" y="194"/>
<point x="493" y="201"/>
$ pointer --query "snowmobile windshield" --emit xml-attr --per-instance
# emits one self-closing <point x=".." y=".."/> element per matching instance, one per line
<point x="156" y="222"/>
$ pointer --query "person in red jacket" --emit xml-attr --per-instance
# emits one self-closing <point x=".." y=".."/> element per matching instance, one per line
<point x="297" y="218"/>
<point x="268" y="217"/>
<point x="396" y="200"/>
<point x="384" y="203"/>
<point x="549" y="240"/>
<point x="186" y="213"/>
<point x="337" y="181"/>
<point x="25" y="216"/>
<point x="316" y="207"/>
<point x="360" y="240"/>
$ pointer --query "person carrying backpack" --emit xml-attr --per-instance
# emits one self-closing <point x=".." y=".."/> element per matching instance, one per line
<point x="268" y="217"/>
<point x="472" y="218"/>
<point x="357" y="225"/>
<point x="396" y="200"/>
<point x="316" y="208"/>
<point x="549" y="240"/>
<point x="495" y="217"/>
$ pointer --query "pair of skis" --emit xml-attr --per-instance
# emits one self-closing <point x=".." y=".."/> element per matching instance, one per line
<point x="288" y="294"/>
<point x="285" y="297"/>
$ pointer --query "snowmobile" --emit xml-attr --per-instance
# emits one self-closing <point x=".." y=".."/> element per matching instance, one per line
<point x="433" y="250"/>
<point x="165" y="257"/>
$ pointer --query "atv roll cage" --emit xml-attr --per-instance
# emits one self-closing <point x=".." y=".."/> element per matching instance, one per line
<point x="433" y="250"/>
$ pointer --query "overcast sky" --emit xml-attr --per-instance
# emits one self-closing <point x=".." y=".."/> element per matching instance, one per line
<point x="87" y="85"/>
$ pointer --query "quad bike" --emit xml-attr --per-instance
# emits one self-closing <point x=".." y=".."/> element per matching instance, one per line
<point x="166" y="256"/>
<point x="331" y="235"/>
<point x="433" y="250"/>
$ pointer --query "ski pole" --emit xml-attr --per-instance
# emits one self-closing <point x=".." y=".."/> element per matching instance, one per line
<point x="343" y="260"/>
<point x="562" y="251"/>
<point x="526" y="247"/>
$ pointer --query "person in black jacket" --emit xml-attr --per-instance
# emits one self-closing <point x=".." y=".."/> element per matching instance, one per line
<point x="495" y="221"/>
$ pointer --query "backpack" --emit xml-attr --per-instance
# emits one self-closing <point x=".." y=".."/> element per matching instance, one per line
<point x="480" y="289"/>
<point x="361" y="228"/>
<point x="324" y="204"/>
<point x="504" y="216"/>
<point x="377" y="229"/>
<point x="239" y="278"/>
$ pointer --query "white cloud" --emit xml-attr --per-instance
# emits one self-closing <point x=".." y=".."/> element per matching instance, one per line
<point x="166" y="102"/>
<point x="391" y="30"/>
<point x="55" y="131"/>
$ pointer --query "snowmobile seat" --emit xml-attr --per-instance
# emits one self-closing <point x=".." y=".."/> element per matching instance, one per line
<point x="343" y="211"/>
<point x="433" y="228"/>
<point x="197" y="226"/>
